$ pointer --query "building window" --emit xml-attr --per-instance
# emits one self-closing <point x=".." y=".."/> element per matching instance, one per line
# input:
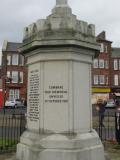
<point x="116" y="80"/>
<point x="21" y="60"/>
<point x="115" y="64"/>
<point x="101" y="63"/>
<point x="21" y="77"/>
<point x="14" y="94"/>
<point x="106" y="80"/>
<point x="101" y="47"/>
<point x="106" y="49"/>
<point x="95" y="79"/>
<point x="102" y="79"/>
<point x="106" y="64"/>
<point x="8" y="77"/>
<point x="8" y="60"/>
<point x="11" y="95"/>
<point x="15" y="59"/>
<point x="14" y="76"/>
<point x="119" y="64"/>
<point x="95" y="63"/>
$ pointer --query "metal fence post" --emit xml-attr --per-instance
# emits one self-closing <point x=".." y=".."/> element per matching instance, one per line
<point x="117" y="126"/>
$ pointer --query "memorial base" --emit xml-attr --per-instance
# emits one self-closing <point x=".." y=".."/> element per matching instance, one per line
<point x="85" y="146"/>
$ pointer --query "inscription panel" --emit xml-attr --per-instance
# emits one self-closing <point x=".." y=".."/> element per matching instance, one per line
<point x="34" y="96"/>
<point x="56" y="97"/>
<point x="56" y="94"/>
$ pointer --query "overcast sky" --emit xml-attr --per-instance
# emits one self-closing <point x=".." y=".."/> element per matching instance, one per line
<point x="16" y="14"/>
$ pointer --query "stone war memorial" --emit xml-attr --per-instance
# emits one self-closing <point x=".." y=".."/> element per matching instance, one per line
<point x="59" y="51"/>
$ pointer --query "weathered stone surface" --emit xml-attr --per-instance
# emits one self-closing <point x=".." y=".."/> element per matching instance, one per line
<point x="59" y="27"/>
<point x="45" y="147"/>
<point x="59" y="51"/>
<point x="61" y="2"/>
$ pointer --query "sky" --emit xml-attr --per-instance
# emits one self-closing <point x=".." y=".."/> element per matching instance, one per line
<point x="17" y="14"/>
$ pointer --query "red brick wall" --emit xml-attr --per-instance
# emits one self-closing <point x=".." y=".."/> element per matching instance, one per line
<point x="104" y="56"/>
<point x="21" y="86"/>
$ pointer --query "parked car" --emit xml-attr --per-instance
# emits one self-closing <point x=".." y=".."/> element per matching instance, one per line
<point x="14" y="104"/>
<point x="110" y="104"/>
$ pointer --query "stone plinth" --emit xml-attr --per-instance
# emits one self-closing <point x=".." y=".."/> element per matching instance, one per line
<point x="59" y="51"/>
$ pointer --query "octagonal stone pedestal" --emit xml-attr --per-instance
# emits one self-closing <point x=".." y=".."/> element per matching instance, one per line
<point x="60" y="147"/>
<point x="59" y="52"/>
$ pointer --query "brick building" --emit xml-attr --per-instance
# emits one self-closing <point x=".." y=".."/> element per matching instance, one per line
<point x="105" y="71"/>
<point x="101" y="77"/>
<point x="14" y="72"/>
<point x="115" y="72"/>
<point x="0" y="72"/>
<point x="1" y="90"/>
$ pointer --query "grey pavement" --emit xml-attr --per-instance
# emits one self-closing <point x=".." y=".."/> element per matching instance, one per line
<point x="107" y="157"/>
<point x="5" y="156"/>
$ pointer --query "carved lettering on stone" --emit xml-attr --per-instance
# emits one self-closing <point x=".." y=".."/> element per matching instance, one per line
<point x="56" y="94"/>
<point x="33" y="97"/>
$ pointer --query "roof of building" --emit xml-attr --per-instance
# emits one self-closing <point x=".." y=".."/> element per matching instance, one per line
<point x="116" y="52"/>
<point x="102" y="37"/>
<point x="11" y="46"/>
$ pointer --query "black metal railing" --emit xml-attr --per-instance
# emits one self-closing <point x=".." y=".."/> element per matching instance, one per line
<point x="11" y="128"/>
<point x="111" y="125"/>
<point x="13" y="125"/>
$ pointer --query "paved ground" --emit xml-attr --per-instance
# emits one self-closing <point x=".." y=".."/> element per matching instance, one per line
<point x="113" y="150"/>
<point x="5" y="156"/>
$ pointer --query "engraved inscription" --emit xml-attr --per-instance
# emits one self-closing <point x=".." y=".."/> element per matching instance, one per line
<point x="33" y="97"/>
<point x="56" y="94"/>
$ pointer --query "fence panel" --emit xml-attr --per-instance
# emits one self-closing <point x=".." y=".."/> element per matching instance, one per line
<point x="108" y="131"/>
<point x="11" y="128"/>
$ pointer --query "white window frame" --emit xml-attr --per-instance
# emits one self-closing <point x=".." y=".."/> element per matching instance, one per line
<point x="115" y="64"/>
<point x="11" y="94"/>
<point x="101" y="63"/>
<point x="102" y="79"/>
<point x="106" y="48"/>
<point x="14" y="94"/>
<point x="119" y="64"/>
<point x="101" y="47"/>
<point x="106" y="64"/>
<point x="106" y="80"/>
<point x="95" y="80"/>
<point x="95" y="63"/>
<point x="8" y="60"/>
<point x="21" y="77"/>
<point x="15" y="59"/>
<point x="21" y="60"/>
<point x="14" y="76"/>
<point x="8" y="76"/>
<point x="116" y="80"/>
